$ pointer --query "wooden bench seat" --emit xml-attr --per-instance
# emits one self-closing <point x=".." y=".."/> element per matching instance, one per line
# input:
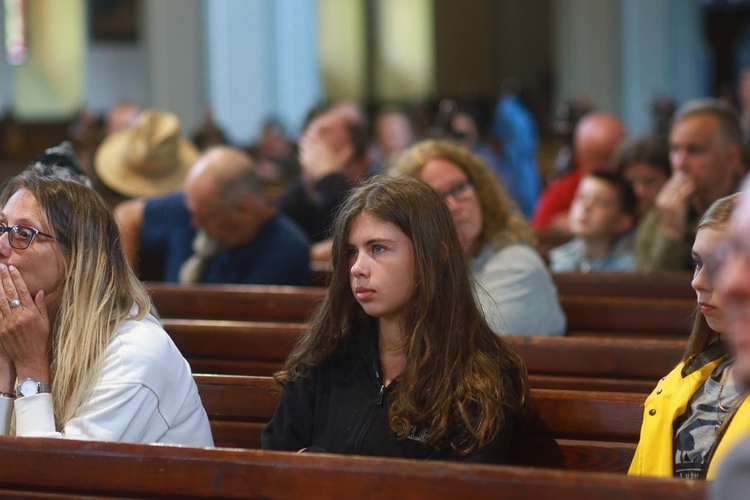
<point x="587" y="315"/>
<point x="568" y="429"/>
<point x="51" y="468"/>
<point x="582" y="363"/>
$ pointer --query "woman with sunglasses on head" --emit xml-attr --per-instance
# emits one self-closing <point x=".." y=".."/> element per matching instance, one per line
<point x="75" y="328"/>
<point x="516" y="291"/>
<point x="399" y="361"/>
<point x="698" y="411"/>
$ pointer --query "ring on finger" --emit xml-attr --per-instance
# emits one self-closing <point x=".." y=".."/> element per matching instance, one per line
<point x="14" y="303"/>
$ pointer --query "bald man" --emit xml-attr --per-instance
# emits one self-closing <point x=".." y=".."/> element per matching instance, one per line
<point x="219" y="230"/>
<point x="596" y="140"/>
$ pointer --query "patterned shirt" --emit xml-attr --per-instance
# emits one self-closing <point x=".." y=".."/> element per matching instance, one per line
<point x="699" y="429"/>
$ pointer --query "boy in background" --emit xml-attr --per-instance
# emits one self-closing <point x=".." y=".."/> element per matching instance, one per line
<point x="601" y="218"/>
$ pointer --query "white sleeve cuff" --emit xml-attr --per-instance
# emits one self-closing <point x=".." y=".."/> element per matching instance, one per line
<point x="6" y="412"/>
<point x="35" y="416"/>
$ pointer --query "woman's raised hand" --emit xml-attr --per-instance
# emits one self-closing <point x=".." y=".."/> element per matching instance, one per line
<point x="25" y="327"/>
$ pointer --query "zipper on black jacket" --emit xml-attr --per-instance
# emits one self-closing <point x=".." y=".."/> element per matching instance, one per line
<point x="371" y="417"/>
<point x="381" y="394"/>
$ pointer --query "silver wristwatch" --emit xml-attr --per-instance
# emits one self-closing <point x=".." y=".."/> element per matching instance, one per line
<point x="29" y="387"/>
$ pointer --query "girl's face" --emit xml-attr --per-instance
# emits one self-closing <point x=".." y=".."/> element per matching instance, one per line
<point x="711" y="304"/>
<point x="453" y="184"/>
<point x="382" y="269"/>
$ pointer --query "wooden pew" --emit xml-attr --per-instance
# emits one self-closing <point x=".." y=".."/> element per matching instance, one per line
<point x="660" y="285"/>
<point x="234" y="347"/>
<point x="597" y="364"/>
<point x="628" y="316"/>
<point x="657" y="284"/>
<point x="581" y="363"/>
<point x="587" y="315"/>
<point x="50" y="468"/>
<point x="568" y="429"/>
<point x="235" y="302"/>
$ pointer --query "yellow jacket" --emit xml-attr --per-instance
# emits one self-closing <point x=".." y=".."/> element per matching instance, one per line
<point x="654" y="455"/>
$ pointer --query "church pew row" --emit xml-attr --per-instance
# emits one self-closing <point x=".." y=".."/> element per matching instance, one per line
<point x="574" y="430"/>
<point x="51" y="468"/>
<point x="657" y="284"/>
<point x="634" y="317"/>
<point x="235" y="302"/>
<point x="587" y="315"/>
<point x="581" y="363"/>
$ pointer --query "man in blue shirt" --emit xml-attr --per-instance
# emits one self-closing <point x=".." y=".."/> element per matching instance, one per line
<point x="219" y="230"/>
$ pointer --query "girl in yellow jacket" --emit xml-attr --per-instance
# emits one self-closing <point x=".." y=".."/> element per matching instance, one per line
<point x="697" y="412"/>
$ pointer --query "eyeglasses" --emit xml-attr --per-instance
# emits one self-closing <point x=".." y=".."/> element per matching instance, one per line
<point x="458" y="191"/>
<point x="21" y="237"/>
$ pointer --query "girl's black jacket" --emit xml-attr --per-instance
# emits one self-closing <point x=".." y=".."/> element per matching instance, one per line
<point x="343" y="408"/>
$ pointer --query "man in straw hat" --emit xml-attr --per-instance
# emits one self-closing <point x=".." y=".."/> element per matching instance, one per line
<point x="149" y="158"/>
<point x="219" y="230"/>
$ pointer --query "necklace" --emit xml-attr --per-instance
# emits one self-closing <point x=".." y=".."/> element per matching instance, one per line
<point x="722" y="383"/>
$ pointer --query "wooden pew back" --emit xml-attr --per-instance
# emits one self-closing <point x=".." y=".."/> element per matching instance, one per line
<point x="583" y="363"/>
<point x="568" y="429"/>
<point x="44" y="468"/>
<point x="659" y="285"/>
<point x="597" y="363"/>
<point x="237" y="302"/>
<point x="635" y="317"/>
<point x="587" y="315"/>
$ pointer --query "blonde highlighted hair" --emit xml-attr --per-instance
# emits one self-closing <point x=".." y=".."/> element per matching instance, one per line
<point x="502" y="222"/>
<point x="99" y="290"/>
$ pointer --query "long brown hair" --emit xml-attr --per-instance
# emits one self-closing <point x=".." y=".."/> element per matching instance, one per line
<point x="502" y="222"/>
<point x="717" y="217"/>
<point x="459" y="375"/>
<point x="99" y="289"/>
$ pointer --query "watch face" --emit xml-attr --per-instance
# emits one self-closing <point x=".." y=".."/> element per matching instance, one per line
<point x="28" y="387"/>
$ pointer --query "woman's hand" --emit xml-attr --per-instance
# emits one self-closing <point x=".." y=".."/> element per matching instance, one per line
<point x="25" y="327"/>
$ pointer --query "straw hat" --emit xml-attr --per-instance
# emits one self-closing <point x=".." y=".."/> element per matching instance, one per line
<point x="149" y="158"/>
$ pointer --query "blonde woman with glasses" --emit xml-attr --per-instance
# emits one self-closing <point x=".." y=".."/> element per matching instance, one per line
<point x="75" y="329"/>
